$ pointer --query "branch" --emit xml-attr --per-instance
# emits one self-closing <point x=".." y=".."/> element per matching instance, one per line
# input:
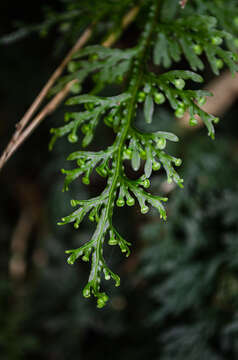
<point x="48" y="109"/>
<point x="37" y="102"/>
<point x="126" y="21"/>
<point x="183" y="3"/>
<point x="19" y="136"/>
<point x="79" y="44"/>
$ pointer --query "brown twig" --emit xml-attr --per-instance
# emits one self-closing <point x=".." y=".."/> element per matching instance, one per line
<point x="126" y="21"/>
<point x="28" y="197"/>
<point x="19" y="136"/>
<point x="79" y="44"/>
<point x="17" y="261"/>
<point x="39" y="99"/>
<point x="183" y="3"/>
<point x="48" y="109"/>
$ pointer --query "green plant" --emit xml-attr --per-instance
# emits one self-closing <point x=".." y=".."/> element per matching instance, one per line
<point x="139" y="78"/>
<point x="163" y="40"/>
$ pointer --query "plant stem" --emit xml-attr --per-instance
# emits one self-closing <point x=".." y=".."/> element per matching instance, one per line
<point x="135" y="83"/>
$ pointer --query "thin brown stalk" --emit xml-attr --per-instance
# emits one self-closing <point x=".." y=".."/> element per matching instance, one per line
<point x="126" y="21"/>
<point x="78" y="45"/>
<point x="183" y="3"/>
<point x="39" y="99"/>
<point x="47" y="110"/>
<point x="20" y="134"/>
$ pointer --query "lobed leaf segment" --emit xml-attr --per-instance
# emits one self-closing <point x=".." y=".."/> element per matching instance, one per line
<point x="166" y="42"/>
<point x="192" y="36"/>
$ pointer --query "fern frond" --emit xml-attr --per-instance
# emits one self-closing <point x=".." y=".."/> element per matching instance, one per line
<point x="167" y="42"/>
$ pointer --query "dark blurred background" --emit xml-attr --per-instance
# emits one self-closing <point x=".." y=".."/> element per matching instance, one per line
<point x="179" y="293"/>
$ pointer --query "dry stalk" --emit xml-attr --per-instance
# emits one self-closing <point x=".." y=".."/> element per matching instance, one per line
<point x="22" y="132"/>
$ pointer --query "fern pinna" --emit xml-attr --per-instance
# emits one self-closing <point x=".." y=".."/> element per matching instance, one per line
<point x="160" y="43"/>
